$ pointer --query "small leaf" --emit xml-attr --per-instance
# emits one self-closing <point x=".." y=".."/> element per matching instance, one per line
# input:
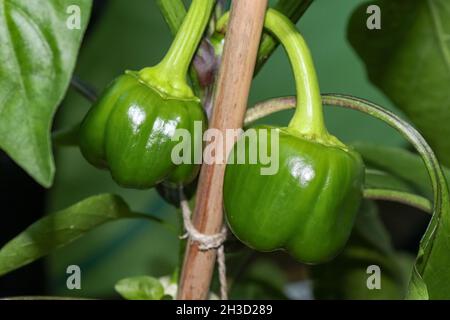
<point x="38" y="52"/>
<point x="140" y="288"/>
<point x="409" y="60"/>
<point x="369" y="227"/>
<point x="61" y="228"/>
<point x="417" y="288"/>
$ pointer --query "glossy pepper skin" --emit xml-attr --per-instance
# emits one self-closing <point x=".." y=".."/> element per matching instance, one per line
<point x="308" y="207"/>
<point x="130" y="129"/>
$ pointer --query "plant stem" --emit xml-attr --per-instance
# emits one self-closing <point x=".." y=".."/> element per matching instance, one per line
<point x="294" y="10"/>
<point x="83" y="88"/>
<point x="169" y="76"/>
<point x="409" y="199"/>
<point x="181" y="52"/>
<point x="173" y="12"/>
<point x="308" y="117"/>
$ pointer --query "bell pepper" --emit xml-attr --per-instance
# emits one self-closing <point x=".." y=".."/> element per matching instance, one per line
<point x="130" y="129"/>
<point x="308" y="207"/>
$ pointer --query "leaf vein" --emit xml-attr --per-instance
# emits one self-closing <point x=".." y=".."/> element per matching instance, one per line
<point x="440" y="34"/>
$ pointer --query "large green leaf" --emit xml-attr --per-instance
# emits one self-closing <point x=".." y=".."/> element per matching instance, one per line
<point x="409" y="59"/>
<point x="37" y="52"/>
<point x="61" y="228"/>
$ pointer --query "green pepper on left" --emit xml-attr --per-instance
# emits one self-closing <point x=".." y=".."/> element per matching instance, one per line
<point x="130" y="129"/>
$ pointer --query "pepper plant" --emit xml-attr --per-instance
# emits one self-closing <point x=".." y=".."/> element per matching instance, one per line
<point x="322" y="206"/>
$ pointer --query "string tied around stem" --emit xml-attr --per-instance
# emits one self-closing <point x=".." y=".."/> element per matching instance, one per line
<point x="206" y="242"/>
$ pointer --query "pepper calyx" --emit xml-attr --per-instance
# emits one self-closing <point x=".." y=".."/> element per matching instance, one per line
<point x="167" y="87"/>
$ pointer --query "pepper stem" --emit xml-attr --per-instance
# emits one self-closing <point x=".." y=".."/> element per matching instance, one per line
<point x="169" y="76"/>
<point x="308" y="118"/>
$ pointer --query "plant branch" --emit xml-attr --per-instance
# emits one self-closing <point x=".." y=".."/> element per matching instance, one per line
<point x="267" y="107"/>
<point x="294" y="10"/>
<point x="83" y="88"/>
<point x="409" y="199"/>
<point x="174" y="13"/>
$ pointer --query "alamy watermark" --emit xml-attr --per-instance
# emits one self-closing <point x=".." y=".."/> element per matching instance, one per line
<point x="374" y="280"/>
<point x="73" y="21"/>
<point x="73" y="281"/>
<point x="254" y="146"/>
<point x="374" y="20"/>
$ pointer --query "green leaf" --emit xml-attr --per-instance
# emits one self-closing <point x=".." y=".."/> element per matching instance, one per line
<point x="370" y="228"/>
<point x="173" y="13"/>
<point x="409" y="60"/>
<point x="346" y="276"/>
<point x="38" y="53"/>
<point x="417" y="288"/>
<point x="61" y="228"/>
<point x="378" y="179"/>
<point x="140" y="288"/>
<point x="402" y="164"/>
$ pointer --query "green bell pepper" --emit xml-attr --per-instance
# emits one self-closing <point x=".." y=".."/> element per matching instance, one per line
<point x="309" y="206"/>
<point x="130" y="129"/>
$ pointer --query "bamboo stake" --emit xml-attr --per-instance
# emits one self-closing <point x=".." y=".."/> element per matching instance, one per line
<point x="233" y="87"/>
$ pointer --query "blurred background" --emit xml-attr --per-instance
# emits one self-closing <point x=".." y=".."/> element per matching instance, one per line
<point x="131" y="35"/>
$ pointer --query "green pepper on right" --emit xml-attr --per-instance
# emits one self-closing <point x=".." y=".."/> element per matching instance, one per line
<point x="308" y="207"/>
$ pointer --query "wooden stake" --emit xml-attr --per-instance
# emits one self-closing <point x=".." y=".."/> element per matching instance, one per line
<point x="233" y="87"/>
